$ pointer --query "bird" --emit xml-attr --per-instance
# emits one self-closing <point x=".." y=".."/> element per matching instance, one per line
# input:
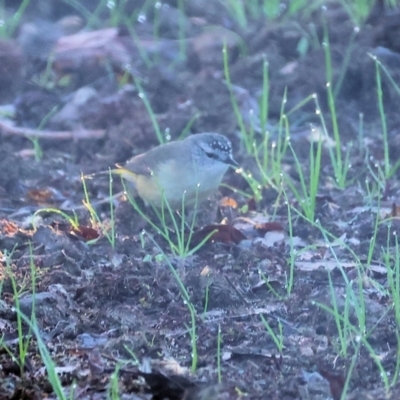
<point x="179" y="173"/>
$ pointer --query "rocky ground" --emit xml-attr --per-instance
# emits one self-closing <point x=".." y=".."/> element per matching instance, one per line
<point x="252" y="312"/>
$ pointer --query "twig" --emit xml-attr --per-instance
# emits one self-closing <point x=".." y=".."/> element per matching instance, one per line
<point x="8" y="128"/>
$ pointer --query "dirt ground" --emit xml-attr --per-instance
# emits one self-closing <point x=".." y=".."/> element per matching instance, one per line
<point x="100" y="307"/>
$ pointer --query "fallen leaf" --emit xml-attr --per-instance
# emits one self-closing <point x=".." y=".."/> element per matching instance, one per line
<point x="84" y="232"/>
<point x="223" y="234"/>
<point x="336" y="382"/>
<point x="228" y="202"/>
<point x="289" y="68"/>
<point x="252" y="205"/>
<point x="40" y="195"/>
<point x="271" y="238"/>
<point x="205" y="271"/>
<point x="265" y="227"/>
<point x="317" y="134"/>
<point x="331" y="265"/>
<point x="8" y="228"/>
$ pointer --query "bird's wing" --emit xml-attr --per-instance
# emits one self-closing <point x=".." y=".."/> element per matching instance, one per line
<point x="147" y="163"/>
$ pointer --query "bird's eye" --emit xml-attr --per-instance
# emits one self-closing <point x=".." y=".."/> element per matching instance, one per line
<point x="214" y="156"/>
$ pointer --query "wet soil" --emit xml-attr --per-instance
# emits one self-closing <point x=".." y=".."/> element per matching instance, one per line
<point x="101" y="304"/>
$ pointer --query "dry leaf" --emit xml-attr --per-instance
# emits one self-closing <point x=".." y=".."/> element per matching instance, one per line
<point x="8" y="228"/>
<point x="205" y="271"/>
<point x="228" y="202"/>
<point x="265" y="227"/>
<point x="223" y="234"/>
<point x="40" y="196"/>
<point x="85" y="232"/>
<point x="251" y="204"/>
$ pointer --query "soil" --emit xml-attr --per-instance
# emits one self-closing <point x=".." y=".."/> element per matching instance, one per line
<point x="101" y="304"/>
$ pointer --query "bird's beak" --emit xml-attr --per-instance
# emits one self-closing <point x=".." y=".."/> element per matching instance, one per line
<point x="231" y="161"/>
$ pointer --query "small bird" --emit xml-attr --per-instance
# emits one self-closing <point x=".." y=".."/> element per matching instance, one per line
<point x="184" y="171"/>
